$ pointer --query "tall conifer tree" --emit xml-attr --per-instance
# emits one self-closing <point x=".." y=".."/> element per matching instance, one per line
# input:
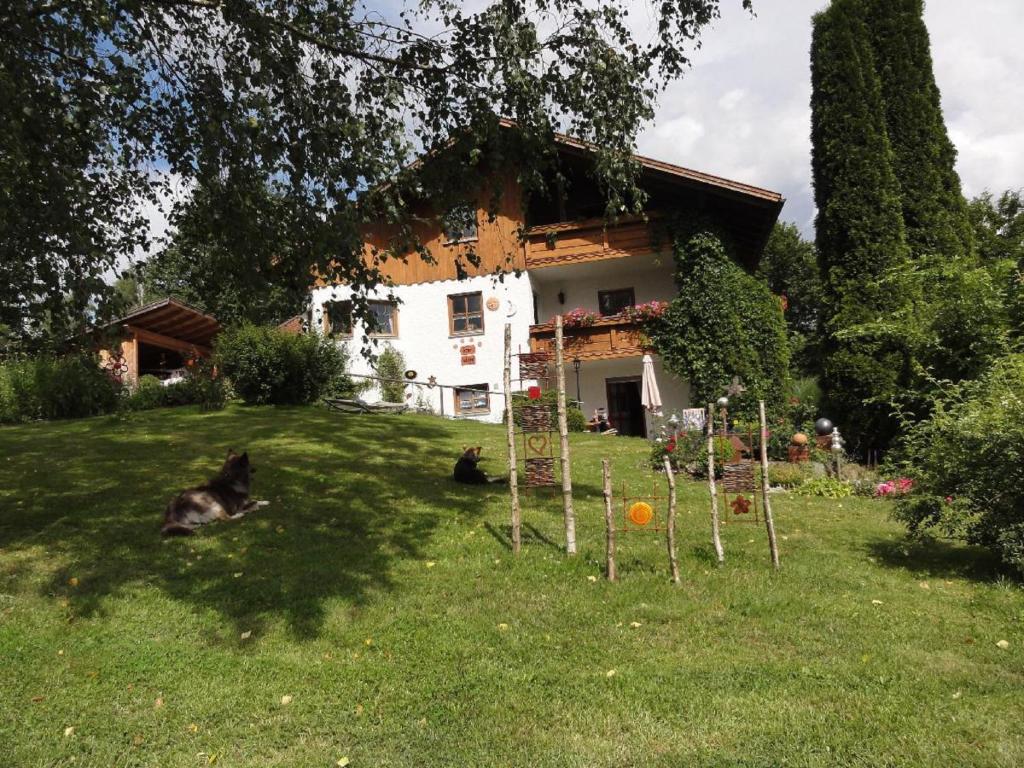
<point x="860" y="234"/>
<point x="934" y="209"/>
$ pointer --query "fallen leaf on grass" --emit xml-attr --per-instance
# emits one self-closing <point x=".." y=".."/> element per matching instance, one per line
<point x="431" y="563"/>
<point x="280" y="529"/>
<point x="69" y="731"/>
<point x="502" y="627"/>
<point x="137" y="739"/>
<point x="359" y="710"/>
<point x="286" y="700"/>
<point x="369" y="641"/>
<point x="193" y="728"/>
<point x="876" y="602"/>
<point x="246" y="635"/>
<point x="635" y="624"/>
<point x="924" y="585"/>
<point x="1004" y="644"/>
<point x="610" y="673"/>
<point x="158" y="703"/>
<point x="37" y="699"/>
<point x="957" y="695"/>
<point x="237" y="574"/>
<point x="591" y="578"/>
<point x="60" y="652"/>
<point x="342" y="762"/>
<point x="73" y="581"/>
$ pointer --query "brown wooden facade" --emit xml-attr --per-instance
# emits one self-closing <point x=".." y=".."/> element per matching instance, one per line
<point x="607" y="339"/>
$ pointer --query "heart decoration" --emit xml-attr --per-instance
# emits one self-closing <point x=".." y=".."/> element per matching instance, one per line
<point x="537" y="444"/>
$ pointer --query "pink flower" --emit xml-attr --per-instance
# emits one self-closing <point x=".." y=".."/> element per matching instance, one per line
<point x="949" y="499"/>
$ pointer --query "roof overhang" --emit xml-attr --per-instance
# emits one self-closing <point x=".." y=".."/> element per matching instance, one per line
<point x="174" y="319"/>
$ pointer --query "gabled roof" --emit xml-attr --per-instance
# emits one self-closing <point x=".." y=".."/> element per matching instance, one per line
<point x="174" y="318"/>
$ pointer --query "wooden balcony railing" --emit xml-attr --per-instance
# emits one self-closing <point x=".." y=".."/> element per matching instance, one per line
<point x="581" y="241"/>
<point x="607" y="339"/>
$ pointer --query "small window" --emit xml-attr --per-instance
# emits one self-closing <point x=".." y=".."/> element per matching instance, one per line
<point x="383" y="318"/>
<point x="472" y="399"/>
<point x="465" y="314"/>
<point x="338" y="318"/>
<point x="460" y="224"/>
<point x="613" y="302"/>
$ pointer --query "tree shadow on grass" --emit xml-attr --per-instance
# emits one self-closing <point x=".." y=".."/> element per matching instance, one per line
<point x="936" y="558"/>
<point x="350" y="497"/>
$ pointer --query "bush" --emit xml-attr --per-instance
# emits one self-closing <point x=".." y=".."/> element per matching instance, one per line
<point x="828" y="487"/>
<point x="967" y="463"/>
<point x="269" y="366"/>
<point x="576" y="421"/>
<point x="391" y="365"/>
<point x="785" y="475"/>
<point x="55" y="388"/>
<point x="149" y="393"/>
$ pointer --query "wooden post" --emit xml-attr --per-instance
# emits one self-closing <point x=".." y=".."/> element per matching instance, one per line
<point x="609" y="521"/>
<point x="513" y="484"/>
<point x="716" y="538"/>
<point x="563" y="433"/>
<point x="670" y="532"/>
<point x="768" y="521"/>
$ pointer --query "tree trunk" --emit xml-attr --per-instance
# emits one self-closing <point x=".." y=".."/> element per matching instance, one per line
<point x="670" y="531"/>
<point x="768" y="521"/>
<point x="513" y="482"/>
<point x="563" y="433"/>
<point x="716" y="538"/>
<point x="609" y="521"/>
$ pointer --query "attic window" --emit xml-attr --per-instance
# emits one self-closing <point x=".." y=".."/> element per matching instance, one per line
<point x="460" y="224"/>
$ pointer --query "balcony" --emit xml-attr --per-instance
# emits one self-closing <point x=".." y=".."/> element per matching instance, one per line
<point x="576" y="242"/>
<point x="607" y="339"/>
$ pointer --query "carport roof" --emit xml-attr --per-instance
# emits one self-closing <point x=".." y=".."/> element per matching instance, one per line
<point x="174" y="318"/>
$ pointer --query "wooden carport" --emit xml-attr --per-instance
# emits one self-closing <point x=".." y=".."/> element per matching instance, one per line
<point x="161" y="336"/>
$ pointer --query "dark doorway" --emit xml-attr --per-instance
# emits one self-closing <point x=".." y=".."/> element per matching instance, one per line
<point x="625" y="411"/>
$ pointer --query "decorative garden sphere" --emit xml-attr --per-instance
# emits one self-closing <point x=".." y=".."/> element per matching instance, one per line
<point x="723" y="402"/>
<point x="799" y="439"/>
<point x="823" y="426"/>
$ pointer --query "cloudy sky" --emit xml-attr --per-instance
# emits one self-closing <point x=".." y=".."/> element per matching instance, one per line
<point x="743" y="110"/>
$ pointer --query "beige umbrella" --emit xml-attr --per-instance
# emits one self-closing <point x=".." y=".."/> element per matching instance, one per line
<point x="649" y="394"/>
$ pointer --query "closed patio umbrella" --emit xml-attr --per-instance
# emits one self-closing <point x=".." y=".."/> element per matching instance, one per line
<point x="649" y="394"/>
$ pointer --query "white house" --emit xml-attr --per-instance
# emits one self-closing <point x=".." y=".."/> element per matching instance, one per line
<point x="451" y="331"/>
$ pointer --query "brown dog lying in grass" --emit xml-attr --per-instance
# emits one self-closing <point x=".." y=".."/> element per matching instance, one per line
<point x="225" y="497"/>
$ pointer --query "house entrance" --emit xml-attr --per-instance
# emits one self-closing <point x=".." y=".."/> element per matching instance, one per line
<point x="625" y="410"/>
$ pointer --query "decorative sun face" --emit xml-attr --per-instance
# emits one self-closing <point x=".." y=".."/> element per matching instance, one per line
<point x="640" y="513"/>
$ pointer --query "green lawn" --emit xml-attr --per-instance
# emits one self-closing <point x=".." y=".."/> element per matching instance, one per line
<point x="383" y="599"/>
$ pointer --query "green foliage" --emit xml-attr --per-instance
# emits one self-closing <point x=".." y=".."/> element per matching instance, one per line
<point x="785" y="475"/>
<point x="149" y="393"/>
<point x="789" y="265"/>
<point x="45" y="387"/>
<point x="320" y="101"/>
<point x="391" y="365"/>
<point x="999" y="235"/>
<point x="860" y="233"/>
<point x="202" y="386"/>
<point x="267" y="365"/>
<point x="826" y="487"/>
<point x="967" y="463"/>
<point x="923" y="157"/>
<point x="575" y="418"/>
<point x="723" y="323"/>
<point x="803" y="402"/>
<point x="230" y="255"/>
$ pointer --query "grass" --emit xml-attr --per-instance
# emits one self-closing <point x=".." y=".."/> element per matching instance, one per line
<point x="383" y="598"/>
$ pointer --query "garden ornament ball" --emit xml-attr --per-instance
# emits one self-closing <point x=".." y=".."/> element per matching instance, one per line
<point x="823" y="426"/>
<point x="799" y="439"/>
<point x="723" y="402"/>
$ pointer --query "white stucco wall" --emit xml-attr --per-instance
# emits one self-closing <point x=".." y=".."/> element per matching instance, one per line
<point x="429" y="349"/>
<point x="675" y="392"/>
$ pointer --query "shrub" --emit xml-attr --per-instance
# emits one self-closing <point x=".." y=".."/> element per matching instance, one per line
<point x="269" y="366"/>
<point x="55" y="388"/>
<point x="966" y="462"/>
<point x="828" y="487"/>
<point x="391" y="365"/>
<point x="149" y="393"/>
<point x="785" y="475"/>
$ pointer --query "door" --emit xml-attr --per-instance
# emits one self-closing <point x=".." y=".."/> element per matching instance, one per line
<point x="625" y="411"/>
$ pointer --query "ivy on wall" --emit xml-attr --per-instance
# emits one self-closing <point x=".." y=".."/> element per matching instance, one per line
<point x="724" y="323"/>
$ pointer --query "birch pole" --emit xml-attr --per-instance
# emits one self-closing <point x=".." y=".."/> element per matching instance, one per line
<point x="768" y="521"/>
<point x="716" y="538"/>
<point x="609" y="522"/>
<point x="563" y="433"/>
<point x="670" y="531"/>
<point x="513" y="482"/>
